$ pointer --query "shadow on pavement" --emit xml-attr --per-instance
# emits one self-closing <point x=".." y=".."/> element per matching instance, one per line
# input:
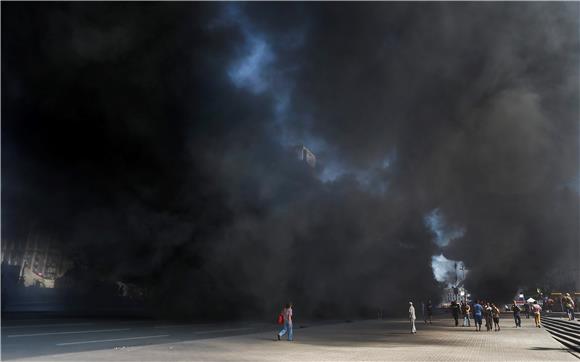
<point x="547" y="349"/>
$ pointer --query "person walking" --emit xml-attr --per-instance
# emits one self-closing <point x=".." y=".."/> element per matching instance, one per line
<point x="287" y="314"/>
<point x="412" y="318"/>
<point x="516" y="311"/>
<point x="536" y="309"/>
<point x="570" y="306"/>
<point x="455" y="312"/>
<point x="465" y="309"/>
<point x="527" y="310"/>
<point x="429" y="312"/>
<point x="495" y="313"/>
<point x="477" y="315"/>
<point x="488" y="317"/>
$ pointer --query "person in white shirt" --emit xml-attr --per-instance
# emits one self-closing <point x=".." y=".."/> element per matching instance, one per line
<point x="412" y="317"/>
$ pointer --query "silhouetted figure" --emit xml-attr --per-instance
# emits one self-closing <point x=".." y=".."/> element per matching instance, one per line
<point x="488" y="317"/>
<point x="429" y="312"/>
<point x="495" y="313"/>
<point x="516" y="311"/>
<point x="455" y="312"/>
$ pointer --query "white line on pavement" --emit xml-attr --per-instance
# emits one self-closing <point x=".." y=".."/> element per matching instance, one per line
<point x="183" y="325"/>
<point x="38" y="320"/>
<point x="223" y="330"/>
<point x="70" y="332"/>
<point x="48" y="325"/>
<point x="112" y="340"/>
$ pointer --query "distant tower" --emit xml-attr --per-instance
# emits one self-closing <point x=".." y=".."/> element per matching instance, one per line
<point x="304" y="154"/>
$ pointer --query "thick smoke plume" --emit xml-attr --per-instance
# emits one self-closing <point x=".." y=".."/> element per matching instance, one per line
<point x="153" y="142"/>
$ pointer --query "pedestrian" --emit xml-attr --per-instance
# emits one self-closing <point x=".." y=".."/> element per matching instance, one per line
<point x="548" y="305"/>
<point x="488" y="317"/>
<point x="412" y="317"/>
<point x="287" y="314"/>
<point x="570" y="306"/>
<point x="465" y="309"/>
<point x="455" y="312"/>
<point x="477" y="315"/>
<point x="536" y="309"/>
<point x="495" y="312"/>
<point x="423" y="307"/>
<point x="527" y="310"/>
<point x="516" y="310"/>
<point x="429" y="312"/>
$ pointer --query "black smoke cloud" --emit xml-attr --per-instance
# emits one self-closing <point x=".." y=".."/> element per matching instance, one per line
<point x="125" y="137"/>
<point x="480" y="102"/>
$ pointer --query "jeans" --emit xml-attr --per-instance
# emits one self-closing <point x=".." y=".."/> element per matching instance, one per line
<point x="287" y="328"/>
<point x="518" y="320"/>
<point x="466" y="321"/>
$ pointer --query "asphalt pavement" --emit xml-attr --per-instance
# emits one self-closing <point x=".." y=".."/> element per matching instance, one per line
<point x="377" y="340"/>
<point x="43" y="338"/>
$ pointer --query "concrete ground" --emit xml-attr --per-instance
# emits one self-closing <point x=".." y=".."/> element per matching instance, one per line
<point x="371" y="340"/>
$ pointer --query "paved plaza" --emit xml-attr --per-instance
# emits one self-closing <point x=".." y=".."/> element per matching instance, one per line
<point x="371" y="340"/>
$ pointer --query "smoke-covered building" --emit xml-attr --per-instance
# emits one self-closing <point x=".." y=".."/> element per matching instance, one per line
<point x="455" y="294"/>
<point x="38" y="260"/>
<point x="305" y="155"/>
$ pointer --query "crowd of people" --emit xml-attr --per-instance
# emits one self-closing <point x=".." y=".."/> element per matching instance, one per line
<point x="483" y="311"/>
<point x="479" y="311"/>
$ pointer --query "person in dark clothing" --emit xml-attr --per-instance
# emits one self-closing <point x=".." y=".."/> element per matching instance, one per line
<point x="516" y="311"/>
<point x="429" y="312"/>
<point x="488" y="316"/>
<point x="495" y="313"/>
<point x="455" y="312"/>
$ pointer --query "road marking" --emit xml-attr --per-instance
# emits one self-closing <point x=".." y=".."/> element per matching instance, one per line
<point x="182" y="325"/>
<point x="38" y="320"/>
<point x="49" y="325"/>
<point x="222" y="330"/>
<point x="70" y="332"/>
<point x="112" y="340"/>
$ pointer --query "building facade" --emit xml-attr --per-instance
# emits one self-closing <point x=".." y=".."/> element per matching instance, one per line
<point x="304" y="154"/>
<point x="39" y="260"/>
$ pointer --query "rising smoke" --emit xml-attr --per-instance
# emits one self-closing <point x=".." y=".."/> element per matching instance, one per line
<point x="152" y="140"/>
